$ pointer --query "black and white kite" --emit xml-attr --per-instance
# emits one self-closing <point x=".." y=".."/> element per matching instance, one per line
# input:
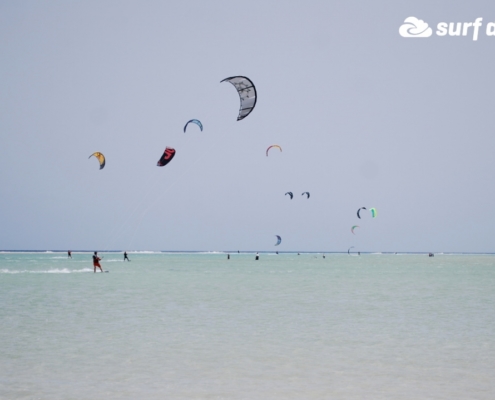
<point x="247" y="93"/>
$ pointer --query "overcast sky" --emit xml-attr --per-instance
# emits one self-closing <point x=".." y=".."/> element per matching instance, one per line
<point x="364" y="116"/>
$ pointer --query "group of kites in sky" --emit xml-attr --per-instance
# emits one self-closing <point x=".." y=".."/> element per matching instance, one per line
<point x="373" y="215"/>
<point x="248" y="95"/>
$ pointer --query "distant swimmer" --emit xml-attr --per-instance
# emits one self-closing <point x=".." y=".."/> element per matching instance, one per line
<point x="69" y="254"/>
<point x="257" y="256"/>
<point x="323" y="255"/>
<point x="96" y="261"/>
<point x="125" y="256"/>
<point x="228" y="256"/>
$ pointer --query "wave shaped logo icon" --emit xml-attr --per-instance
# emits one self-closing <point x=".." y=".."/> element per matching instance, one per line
<point x="413" y="27"/>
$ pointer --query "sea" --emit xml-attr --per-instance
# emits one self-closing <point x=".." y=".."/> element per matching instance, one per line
<point x="286" y="326"/>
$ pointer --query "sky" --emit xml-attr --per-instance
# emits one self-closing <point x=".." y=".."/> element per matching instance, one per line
<point x="364" y="116"/>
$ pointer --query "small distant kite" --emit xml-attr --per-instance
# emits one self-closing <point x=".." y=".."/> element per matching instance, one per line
<point x="373" y="212"/>
<point x="275" y="145"/>
<point x="349" y="250"/>
<point x="305" y="193"/>
<point x="354" y="227"/>
<point x="362" y="208"/>
<point x="279" y="240"/>
<point x="247" y="94"/>
<point x="100" y="157"/>
<point x="167" y="156"/>
<point x="194" y="121"/>
<point x="290" y="194"/>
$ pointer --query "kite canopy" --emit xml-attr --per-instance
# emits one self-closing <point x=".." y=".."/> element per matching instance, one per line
<point x="354" y="227"/>
<point x="362" y="208"/>
<point x="305" y="193"/>
<point x="275" y="145"/>
<point x="167" y="156"/>
<point x="373" y="212"/>
<point x="247" y="93"/>
<point x="279" y="240"/>
<point x="194" y="121"/>
<point x="290" y="194"/>
<point x="349" y="250"/>
<point x="100" y="157"/>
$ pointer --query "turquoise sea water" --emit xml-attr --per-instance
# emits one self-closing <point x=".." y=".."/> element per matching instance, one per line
<point x="199" y="326"/>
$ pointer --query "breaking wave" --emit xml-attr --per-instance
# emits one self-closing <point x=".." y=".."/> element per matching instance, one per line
<point x="49" y="271"/>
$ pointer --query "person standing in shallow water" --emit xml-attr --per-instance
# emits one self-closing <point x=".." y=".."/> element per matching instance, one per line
<point x="69" y="254"/>
<point x="96" y="262"/>
<point x="257" y="256"/>
<point x="125" y="256"/>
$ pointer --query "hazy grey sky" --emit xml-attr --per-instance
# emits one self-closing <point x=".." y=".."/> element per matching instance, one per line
<point x="365" y="117"/>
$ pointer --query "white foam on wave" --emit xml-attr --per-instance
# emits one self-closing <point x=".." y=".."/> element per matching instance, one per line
<point x="49" y="271"/>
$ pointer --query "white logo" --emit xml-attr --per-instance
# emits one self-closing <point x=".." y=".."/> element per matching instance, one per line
<point x="413" y="27"/>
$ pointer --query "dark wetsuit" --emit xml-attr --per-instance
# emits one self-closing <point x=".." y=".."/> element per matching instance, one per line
<point x="96" y="262"/>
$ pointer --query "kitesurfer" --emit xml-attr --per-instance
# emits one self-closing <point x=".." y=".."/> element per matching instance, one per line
<point x="257" y="256"/>
<point x="228" y="256"/>
<point x="96" y="261"/>
<point x="125" y="256"/>
<point x="69" y="254"/>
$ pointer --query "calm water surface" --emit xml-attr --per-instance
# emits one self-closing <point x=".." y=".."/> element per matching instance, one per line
<point x="199" y="326"/>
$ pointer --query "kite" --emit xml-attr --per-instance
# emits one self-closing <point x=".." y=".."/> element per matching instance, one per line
<point x="194" y="121"/>
<point x="354" y="227"/>
<point x="305" y="193"/>
<point x="247" y="94"/>
<point x="275" y="145"/>
<point x="167" y="156"/>
<point x="279" y="240"/>
<point x="373" y="212"/>
<point x="100" y="157"/>
<point x="290" y="194"/>
<point x="349" y="249"/>
<point x="362" y="208"/>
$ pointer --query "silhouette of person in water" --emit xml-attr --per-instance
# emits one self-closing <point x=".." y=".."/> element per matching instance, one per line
<point x="96" y="261"/>
<point x="125" y="256"/>
<point x="257" y="256"/>
<point x="69" y="254"/>
<point x="228" y="256"/>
